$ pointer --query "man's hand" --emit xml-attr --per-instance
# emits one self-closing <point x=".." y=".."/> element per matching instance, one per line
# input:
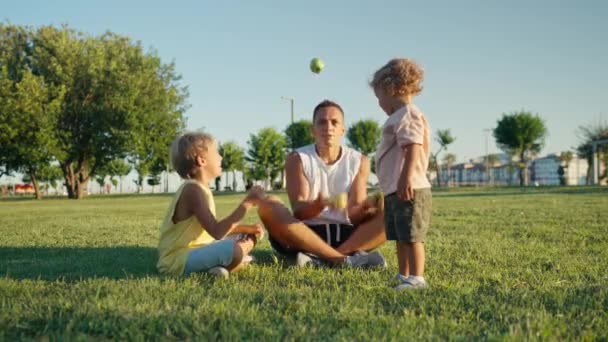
<point x="322" y="201"/>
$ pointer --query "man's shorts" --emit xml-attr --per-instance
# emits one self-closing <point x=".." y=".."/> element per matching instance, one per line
<point x="333" y="234"/>
<point x="408" y="221"/>
<point x="218" y="253"/>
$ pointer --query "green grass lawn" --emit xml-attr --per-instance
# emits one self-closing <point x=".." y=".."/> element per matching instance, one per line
<point x="501" y="264"/>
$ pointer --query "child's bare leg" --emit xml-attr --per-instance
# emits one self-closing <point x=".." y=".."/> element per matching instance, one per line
<point x="241" y="248"/>
<point x="416" y="258"/>
<point x="403" y="258"/>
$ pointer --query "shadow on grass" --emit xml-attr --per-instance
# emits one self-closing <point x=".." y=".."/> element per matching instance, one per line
<point x="76" y="263"/>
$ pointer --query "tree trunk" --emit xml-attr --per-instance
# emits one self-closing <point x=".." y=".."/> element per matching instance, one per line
<point x="140" y="184"/>
<point x="438" y="168"/>
<point x="523" y="170"/>
<point x="36" y="186"/>
<point x="233" y="180"/>
<point x="75" y="181"/>
<point x="447" y="180"/>
<point x="217" y="183"/>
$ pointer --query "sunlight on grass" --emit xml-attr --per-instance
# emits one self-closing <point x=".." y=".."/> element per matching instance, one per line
<point x="520" y="264"/>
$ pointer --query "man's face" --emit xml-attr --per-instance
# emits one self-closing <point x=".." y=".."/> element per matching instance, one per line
<point x="328" y="127"/>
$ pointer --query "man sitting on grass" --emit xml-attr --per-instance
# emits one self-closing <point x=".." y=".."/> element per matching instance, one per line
<point x="320" y="232"/>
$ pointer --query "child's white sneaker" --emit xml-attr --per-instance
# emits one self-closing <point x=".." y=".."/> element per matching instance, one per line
<point x="398" y="279"/>
<point x="412" y="283"/>
<point x="219" y="272"/>
<point x="247" y="259"/>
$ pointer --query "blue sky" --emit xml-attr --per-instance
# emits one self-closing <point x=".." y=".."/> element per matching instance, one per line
<point x="482" y="58"/>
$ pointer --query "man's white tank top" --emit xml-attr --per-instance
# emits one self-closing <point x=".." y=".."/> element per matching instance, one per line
<point x="330" y="180"/>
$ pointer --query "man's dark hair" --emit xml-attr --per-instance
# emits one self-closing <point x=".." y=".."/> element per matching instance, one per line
<point x="323" y="104"/>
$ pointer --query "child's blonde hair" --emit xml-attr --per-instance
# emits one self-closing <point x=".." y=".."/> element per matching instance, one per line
<point x="399" y="77"/>
<point x="184" y="150"/>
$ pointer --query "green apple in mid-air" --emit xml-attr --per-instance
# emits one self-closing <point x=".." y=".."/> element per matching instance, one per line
<point x="316" y="65"/>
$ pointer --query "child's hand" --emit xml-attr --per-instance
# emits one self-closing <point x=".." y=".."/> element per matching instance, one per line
<point x="258" y="231"/>
<point x="405" y="191"/>
<point x="254" y="195"/>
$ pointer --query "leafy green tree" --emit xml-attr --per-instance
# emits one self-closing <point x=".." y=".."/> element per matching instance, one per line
<point x="101" y="181"/>
<point x="299" y="134"/>
<point x="588" y="134"/>
<point x="251" y="173"/>
<point x="449" y="159"/>
<point x="233" y="159"/>
<point x="444" y="138"/>
<point x="28" y="106"/>
<point x="149" y="171"/>
<point x="118" y="101"/>
<point x="117" y="168"/>
<point x="523" y="134"/>
<point x="364" y="135"/>
<point x="50" y="174"/>
<point x="266" y="153"/>
<point x="565" y="158"/>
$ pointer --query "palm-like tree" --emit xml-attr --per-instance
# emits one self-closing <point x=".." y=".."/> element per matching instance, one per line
<point x="444" y="138"/>
<point x="233" y="159"/>
<point x="588" y="134"/>
<point x="449" y="160"/>
<point x="523" y="134"/>
<point x="491" y="160"/>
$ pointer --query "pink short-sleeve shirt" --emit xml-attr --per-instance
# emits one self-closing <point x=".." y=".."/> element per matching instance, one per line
<point x="404" y="127"/>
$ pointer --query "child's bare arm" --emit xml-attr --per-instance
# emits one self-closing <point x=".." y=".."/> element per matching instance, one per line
<point x="405" y="190"/>
<point x="200" y="208"/>
<point x="255" y="229"/>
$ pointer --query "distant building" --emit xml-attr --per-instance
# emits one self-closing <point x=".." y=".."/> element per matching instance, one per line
<point x="544" y="171"/>
<point x="541" y="171"/>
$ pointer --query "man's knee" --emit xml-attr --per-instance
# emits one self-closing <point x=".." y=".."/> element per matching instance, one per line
<point x="273" y="199"/>
<point x="269" y="206"/>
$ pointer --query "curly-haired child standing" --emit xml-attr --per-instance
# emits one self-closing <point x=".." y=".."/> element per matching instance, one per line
<point x="401" y="163"/>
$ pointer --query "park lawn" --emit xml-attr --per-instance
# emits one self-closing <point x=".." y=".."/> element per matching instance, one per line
<point x="501" y="264"/>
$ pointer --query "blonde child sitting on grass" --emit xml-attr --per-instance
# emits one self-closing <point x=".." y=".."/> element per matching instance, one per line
<point x="191" y="238"/>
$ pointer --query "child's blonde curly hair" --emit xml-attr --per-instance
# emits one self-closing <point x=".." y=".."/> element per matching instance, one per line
<point x="184" y="150"/>
<point x="399" y="77"/>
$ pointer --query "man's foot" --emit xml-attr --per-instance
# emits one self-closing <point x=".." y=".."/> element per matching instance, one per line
<point x="219" y="272"/>
<point x="373" y="259"/>
<point x="304" y="259"/>
<point x="411" y="283"/>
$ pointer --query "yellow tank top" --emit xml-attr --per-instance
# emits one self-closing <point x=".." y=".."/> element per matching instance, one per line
<point x="177" y="239"/>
